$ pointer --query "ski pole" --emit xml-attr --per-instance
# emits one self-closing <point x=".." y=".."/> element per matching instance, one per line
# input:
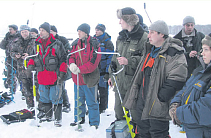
<point x="38" y="50"/>
<point x="146" y="12"/>
<point x="35" y="101"/>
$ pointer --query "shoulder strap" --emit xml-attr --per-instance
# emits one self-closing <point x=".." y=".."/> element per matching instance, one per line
<point x="80" y="54"/>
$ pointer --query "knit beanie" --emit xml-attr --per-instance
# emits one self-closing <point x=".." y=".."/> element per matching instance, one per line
<point x="24" y="27"/>
<point x="53" y="28"/>
<point x="46" y="26"/>
<point x="15" y="27"/>
<point x="101" y="27"/>
<point x="188" y="19"/>
<point x="34" y="30"/>
<point x="206" y="40"/>
<point x="128" y="15"/>
<point x="140" y="19"/>
<point x="160" y="26"/>
<point x="85" y="28"/>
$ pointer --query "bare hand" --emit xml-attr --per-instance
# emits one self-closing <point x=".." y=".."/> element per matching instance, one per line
<point x="24" y="55"/>
<point x="110" y="83"/>
<point x="192" y="54"/>
<point x="122" y="60"/>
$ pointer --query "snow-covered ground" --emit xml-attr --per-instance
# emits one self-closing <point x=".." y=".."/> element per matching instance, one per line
<point x="48" y="130"/>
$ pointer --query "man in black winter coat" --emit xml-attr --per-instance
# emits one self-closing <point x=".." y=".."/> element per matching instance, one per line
<point x="191" y="42"/>
<point x="66" y="103"/>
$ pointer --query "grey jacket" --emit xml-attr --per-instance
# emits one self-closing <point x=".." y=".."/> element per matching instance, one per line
<point x="168" y="65"/>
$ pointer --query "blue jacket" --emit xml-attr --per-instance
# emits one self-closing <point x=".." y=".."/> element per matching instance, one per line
<point x="195" y="101"/>
<point x="106" y="46"/>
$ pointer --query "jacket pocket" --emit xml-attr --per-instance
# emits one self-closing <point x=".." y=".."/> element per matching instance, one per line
<point x="159" y="109"/>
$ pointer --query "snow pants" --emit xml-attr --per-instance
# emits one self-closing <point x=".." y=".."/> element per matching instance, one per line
<point x="103" y="97"/>
<point x="88" y="95"/>
<point x="50" y="94"/>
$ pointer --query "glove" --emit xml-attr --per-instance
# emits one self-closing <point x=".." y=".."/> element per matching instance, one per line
<point x="61" y="77"/>
<point x="113" y="66"/>
<point x="172" y="113"/>
<point x="74" y="69"/>
<point x="106" y="77"/>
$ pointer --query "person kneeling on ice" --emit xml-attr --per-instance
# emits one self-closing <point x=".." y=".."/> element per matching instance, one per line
<point x="50" y="65"/>
<point x="191" y="106"/>
<point x="82" y="63"/>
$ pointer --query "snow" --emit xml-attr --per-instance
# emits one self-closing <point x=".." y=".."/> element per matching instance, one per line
<point x="48" y="130"/>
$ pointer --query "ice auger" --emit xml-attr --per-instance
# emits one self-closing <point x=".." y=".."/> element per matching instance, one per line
<point x="114" y="74"/>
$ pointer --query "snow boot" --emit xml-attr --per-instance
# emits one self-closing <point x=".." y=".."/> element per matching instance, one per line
<point x="66" y="108"/>
<point x="45" y="112"/>
<point x="82" y="122"/>
<point x="58" y="115"/>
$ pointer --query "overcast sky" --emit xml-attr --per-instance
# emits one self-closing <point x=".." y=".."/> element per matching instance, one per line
<point x="68" y="15"/>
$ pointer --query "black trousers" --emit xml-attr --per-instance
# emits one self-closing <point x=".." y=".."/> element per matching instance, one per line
<point x="103" y="97"/>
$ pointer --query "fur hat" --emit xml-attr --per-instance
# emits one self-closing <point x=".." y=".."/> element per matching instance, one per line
<point x="101" y="27"/>
<point x="46" y="26"/>
<point x="15" y="27"/>
<point x="188" y="19"/>
<point x="128" y="15"/>
<point x="34" y="30"/>
<point x="160" y="26"/>
<point x="85" y="28"/>
<point x="206" y="41"/>
<point x="24" y="27"/>
<point x="53" y="28"/>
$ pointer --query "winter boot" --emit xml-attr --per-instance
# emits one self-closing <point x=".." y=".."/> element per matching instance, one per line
<point x="45" y="112"/>
<point x="82" y="122"/>
<point x="58" y="115"/>
<point x="66" y="104"/>
<point x="66" y="108"/>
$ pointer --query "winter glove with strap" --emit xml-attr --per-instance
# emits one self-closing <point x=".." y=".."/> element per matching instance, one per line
<point x="74" y="69"/>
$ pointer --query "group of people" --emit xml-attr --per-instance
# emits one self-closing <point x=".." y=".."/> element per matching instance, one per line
<point x="163" y="77"/>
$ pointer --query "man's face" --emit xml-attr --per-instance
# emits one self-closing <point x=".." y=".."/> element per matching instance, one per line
<point x="206" y="54"/>
<point x="189" y="27"/>
<point x="82" y="35"/>
<point x="43" y="33"/>
<point x="33" y="34"/>
<point x="52" y="32"/>
<point x="12" y="31"/>
<point x="25" y="34"/>
<point x="155" y="38"/>
<point x="98" y="32"/>
<point x="124" y="25"/>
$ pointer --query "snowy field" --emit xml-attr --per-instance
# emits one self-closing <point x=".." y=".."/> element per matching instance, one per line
<point x="28" y="128"/>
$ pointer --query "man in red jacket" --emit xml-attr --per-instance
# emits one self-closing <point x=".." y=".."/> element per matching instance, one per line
<point x="51" y="69"/>
<point x="81" y="63"/>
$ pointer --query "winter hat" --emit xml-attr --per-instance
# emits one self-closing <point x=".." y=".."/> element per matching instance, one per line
<point x="128" y="15"/>
<point x="24" y="27"/>
<point x="53" y="28"/>
<point x="160" y="26"/>
<point x="188" y="19"/>
<point x="140" y="19"/>
<point x="206" y="41"/>
<point x="34" y="30"/>
<point x="101" y="27"/>
<point x="15" y="27"/>
<point x="85" y="28"/>
<point x="46" y="26"/>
